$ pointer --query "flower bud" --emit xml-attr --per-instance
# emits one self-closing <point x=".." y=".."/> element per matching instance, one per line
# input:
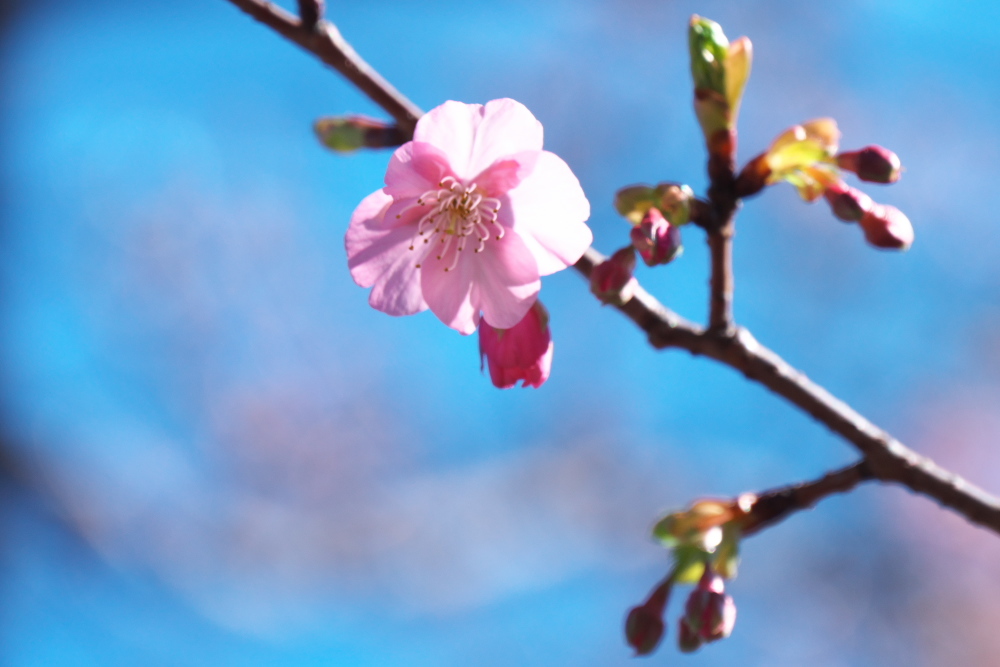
<point x="700" y="525"/>
<point x="874" y="164"/>
<point x="633" y="201"/>
<point x="673" y="200"/>
<point x="802" y="155"/>
<point x="657" y="241"/>
<point x="720" y="71"/>
<point x="847" y="203"/>
<point x="739" y="57"/>
<point x="521" y="353"/>
<point x="710" y="613"/>
<point x="644" y="627"/>
<point x="349" y="133"/>
<point x="709" y="48"/>
<point x="611" y="281"/>
<point x="887" y="227"/>
<point x="688" y="640"/>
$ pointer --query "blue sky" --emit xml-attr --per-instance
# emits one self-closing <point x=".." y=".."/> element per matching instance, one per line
<point x="258" y="468"/>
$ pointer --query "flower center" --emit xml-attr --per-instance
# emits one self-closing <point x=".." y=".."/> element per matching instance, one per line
<point x="456" y="213"/>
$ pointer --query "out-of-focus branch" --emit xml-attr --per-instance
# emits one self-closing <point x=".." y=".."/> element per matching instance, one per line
<point x="770" y="507"/>
<point x="886" y="458"/>
<point x="310" y="12"/>
<point x="724" y="203"/>
<point x="889" y="460"/>
<point x="720" y="247"/>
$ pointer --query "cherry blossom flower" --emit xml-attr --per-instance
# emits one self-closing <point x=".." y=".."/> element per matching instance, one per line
<point x="523" y="352"/>
<point x="473" y="212"/>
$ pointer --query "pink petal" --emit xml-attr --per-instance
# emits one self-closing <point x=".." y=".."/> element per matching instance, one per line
<point x="508" y="281"/>
<point x="507" y="127"/>
<point x="549" y="211"/>
<point x="502" y="281"/>
<point x="382" y="257"/>
<point x="533" y="375"/>
<point x="540" y="372"/>
<point x="449" y="293"/>
<point x="506" y="173"/>
<point x="523" y="352"/>
<point x="366" y="217"/>
<point x="475" y="136"/>
<point x="415" y="168"/>
<point x="397" y="291"/>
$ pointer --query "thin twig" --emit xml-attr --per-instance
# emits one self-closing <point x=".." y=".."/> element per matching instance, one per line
<point x="724" y="204"/>
<point x="776" y="505"/>
<point x="720" y="311"/>
<point x="325" y="42"/>
<point x="886" y="458"/>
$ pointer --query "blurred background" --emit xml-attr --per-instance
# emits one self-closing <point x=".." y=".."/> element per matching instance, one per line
<point x="216" y="453"/>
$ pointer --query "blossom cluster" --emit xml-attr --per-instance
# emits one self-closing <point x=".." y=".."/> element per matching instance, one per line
<point x="808" y="157"/>
<point x="473" y="213"/>
<point x="704" y="543"/>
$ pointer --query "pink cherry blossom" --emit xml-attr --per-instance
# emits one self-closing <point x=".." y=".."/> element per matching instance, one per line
<point x="472" y="214"/>
<point x="523" y="352"/>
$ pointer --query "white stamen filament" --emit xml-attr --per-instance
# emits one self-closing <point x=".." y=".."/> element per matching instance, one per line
<point x="456" y="213"/>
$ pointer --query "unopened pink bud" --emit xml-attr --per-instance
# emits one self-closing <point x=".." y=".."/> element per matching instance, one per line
<point x="710" y="613"/>
<point x="874" y="164"/>
<point x="887" y="227"/>
<point x="644" y="627"/>
<point x="847" y="203"/>
<point x="657" y="241"/>
<point x="611" y="281"/>
<point x="522" y="353"/>
<point x="687" y="638"/>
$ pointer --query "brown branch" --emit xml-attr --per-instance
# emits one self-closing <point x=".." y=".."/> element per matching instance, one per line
<point x="887" y="459"/>
<point x="325" y="42"/>
<point x="310" y="12"/>
<point x="776" y="505"/>
<point x="720" y="311"/>
<point x="724" y="203"/>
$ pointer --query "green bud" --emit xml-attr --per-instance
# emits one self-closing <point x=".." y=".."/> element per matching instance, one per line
<point x="672" y="200"/>
<point x="634" y="201"/>
<point x="720" y="71"/>
<point x="709" y="48"/>
<point x="346" y="134"/>
<point x="727" y="556"/>
<point x="689" y="564"/>
<point x="738" y="61"/>
<point x="803" y="155"/>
